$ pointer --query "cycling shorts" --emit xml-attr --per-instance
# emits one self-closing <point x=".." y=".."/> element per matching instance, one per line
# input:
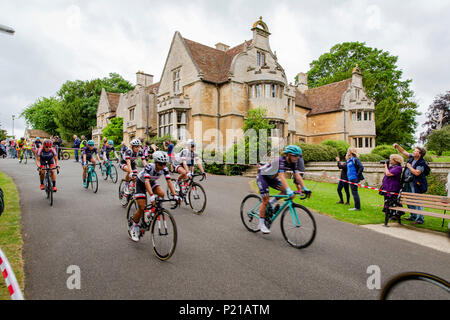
<point x="264" y="182"/>
<point x="141" y="192"/>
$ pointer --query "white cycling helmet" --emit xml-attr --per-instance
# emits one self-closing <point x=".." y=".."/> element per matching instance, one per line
<point x="191" y="143"/>
<point x="160" y="156"/>
<point x="136" y="142"/>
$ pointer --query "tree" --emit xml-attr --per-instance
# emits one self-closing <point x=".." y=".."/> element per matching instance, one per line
<point x="77" y="112"/>
<point x="439" y="140"/>
<point x="395" y="110"/>
<point x="114" y="130"/>
<point x="438" y="115"/>
<point x="3" y="134"/>
<point x="41" y="115"/>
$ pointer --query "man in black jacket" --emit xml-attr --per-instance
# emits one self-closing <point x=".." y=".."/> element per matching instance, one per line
<point x="414" y="177"/>
<point x="342" y="184"/>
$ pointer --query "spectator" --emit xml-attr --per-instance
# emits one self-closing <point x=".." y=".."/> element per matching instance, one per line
<point x="342" y="184"/>
<point x="392" y="179"/>
<point x="168" y="145"/>
<point x="76" y="146"/>
<point x="3" y="149"/>
<point x="83" y="143"/>
<point x="57" y="146"/>
<point x="354" y="174"/>
<point x="414" y="177"/>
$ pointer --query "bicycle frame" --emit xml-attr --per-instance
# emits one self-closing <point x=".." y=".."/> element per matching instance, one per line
<point x="288" y="202"/>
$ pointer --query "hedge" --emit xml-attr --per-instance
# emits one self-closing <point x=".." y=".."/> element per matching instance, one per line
<point x="371" y="158"/>
<point x="340" y="145"/>
<point x="318" y="152"/>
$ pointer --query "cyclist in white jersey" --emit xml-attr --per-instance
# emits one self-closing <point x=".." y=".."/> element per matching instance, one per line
<point x="184" y="162"/>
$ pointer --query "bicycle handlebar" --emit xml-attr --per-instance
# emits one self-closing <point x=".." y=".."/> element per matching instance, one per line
<point x="303" y="195"/>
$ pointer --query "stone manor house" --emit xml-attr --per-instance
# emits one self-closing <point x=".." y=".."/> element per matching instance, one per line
<point x="205" y="91"/>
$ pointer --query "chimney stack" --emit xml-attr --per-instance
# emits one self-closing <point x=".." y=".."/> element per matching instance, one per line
<point x="143" y="79"/>
<point x="302" y="82"/>
<point x="222" y="47"/>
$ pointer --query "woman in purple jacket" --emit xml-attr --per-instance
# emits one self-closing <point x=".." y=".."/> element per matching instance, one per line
<point x="392" y="179"/>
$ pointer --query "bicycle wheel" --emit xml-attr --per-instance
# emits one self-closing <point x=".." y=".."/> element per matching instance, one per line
<point x="163" y="233"/>
<point x="426" y="286"/>
<point x="131" y="210"/>
<point x="123" y="197"/>
<point x="250" y="212"/>
<point x="49" y="190"/>
<point x="197" y="198"/>
<point x="298" y="227"/>
<point x="104" y="172"/>
<point x="66" y="155"/>
<point x="113" y="173"/>
<point x="94" y="181"/>
<point x="2" y="202"/>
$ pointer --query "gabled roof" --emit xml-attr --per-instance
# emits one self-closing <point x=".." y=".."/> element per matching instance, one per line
<point x="215" y="64"/>
<point x="151" y="87"/>
<point x="113" y="99"/>
<point x="323" y="99"/>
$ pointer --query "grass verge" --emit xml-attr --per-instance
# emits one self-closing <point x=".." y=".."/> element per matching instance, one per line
<point x="10" y="235"/>
<point x="324" y="198"/>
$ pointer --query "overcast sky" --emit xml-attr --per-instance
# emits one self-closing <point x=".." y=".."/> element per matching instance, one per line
<point x="59" y="40"/>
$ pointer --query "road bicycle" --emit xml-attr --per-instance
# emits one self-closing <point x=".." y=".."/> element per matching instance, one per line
<point x="109" y="170"/>
<point x="399" y="282"/>
<point x="65" y="155"/>
<point x="126" y="193"/>
<point x="48" y="184"/>
<point x="22" y="157"/>
<point x="192" y="193"/>
<point x="298" y="225"/>
<point x="161" y="224"/>
<point x="91" y="178"/>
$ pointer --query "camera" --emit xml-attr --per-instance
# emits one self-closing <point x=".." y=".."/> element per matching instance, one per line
<point x="384" y="161"/>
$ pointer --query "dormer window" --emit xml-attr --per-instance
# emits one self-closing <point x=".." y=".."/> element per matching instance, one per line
<point x="260" y="58"/>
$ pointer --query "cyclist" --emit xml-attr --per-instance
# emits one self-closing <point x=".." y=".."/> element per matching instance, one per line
<point x="47" y="155"/>
<point x="184" y="162"/>
<point x="129" y="157"/>
<point x="106" y="150"/>
<point x="273" y="175"/>
<point x="146" y="182"/>
<point x="86" y="156"/>
<point x="28" y="147"/>
<point x="20" y="148"/>
<point x="105" y="143"/>
<point x="37" y="144"/>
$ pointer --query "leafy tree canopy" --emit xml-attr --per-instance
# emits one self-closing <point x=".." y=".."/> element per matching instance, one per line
<point x="114" y="130"/>
<point x="439" y="140"/>
<point x="41" y="115"/>
<point x="395" y="110"/>
<point x="438" y="115"/>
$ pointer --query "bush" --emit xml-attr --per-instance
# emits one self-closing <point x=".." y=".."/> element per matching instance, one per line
<point x="446" y="154"/>
<point x="159" y="141"/>
<point x="436" y="185"/>
<point x="371" y="158"/>
<point x="384" y="150"/>
<point x="209" y="162"/>
<point x="340" y="145"/>
<point x="428" y="158"/>
<point x="318" y="152"/>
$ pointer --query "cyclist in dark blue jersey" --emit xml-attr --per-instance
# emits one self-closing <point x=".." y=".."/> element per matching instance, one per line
<point x="273" y="175"/>
<point x="87" y="155"/>
<point x="106" y="151"/>
<point x="47" y="155"/>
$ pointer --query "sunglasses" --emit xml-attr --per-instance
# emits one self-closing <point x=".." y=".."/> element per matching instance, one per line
<point x="161" y="163"/>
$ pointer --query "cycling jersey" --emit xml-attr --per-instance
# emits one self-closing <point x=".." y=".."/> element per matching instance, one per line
<point x="46" y="157"/>
<point x="37" y="144"/>
<point x="149" y="172"/>
<point x="271" y="170"/>
<point x="185" y="155"/>
<point x="20" y="143"/>
<point x="107" y="150"/>
<point x="89" y="152"/>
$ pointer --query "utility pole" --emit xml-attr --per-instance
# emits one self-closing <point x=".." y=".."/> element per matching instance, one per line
<point x="147" y="111"/>
<point x="14" y="137"/>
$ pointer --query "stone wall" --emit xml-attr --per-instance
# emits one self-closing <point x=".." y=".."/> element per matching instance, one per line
<point x="373" y="172"/>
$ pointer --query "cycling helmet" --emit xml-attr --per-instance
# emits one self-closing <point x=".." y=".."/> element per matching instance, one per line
<point x="37" y="138"/>
<point x="48" y="143"/>
<point x="160" y="156"/>
<point x="294" y="150"/>
<point x="110" y="142"/>
<point x="191" y="143"/>
<point x="136" y="142"/>
<point x="91" y="143"/>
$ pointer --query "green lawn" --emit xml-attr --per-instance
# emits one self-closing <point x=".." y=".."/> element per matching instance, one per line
<point x="441" y="159"/>
<point x="10" y="235"/>
<point x="324" y="198"/>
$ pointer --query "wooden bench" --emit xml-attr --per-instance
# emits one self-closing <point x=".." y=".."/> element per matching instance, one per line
<point x="426" y="201"/>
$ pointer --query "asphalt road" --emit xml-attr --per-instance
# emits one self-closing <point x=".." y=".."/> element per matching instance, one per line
<point x="215" y="258"/>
